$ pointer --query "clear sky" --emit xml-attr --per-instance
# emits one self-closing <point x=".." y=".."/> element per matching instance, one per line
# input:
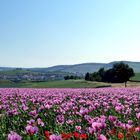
<point x="42" y="33"/>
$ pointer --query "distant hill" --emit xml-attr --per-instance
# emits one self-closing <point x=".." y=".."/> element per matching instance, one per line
<point x="79" y="68"/>
<point x="134" y="65"/>
<point x="87" y="67"/>
<point x="6" y="68"/>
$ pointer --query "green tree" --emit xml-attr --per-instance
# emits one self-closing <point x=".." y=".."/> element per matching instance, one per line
<point x="71" y="77"/>
<point x="66" y="77"/>
<point x="122" y="72"/>
<point x="96" y="77"/>
<point x="87" y="76"/>
<point x="101" y="73"/>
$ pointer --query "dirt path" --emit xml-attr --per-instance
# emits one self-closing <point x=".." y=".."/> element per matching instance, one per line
<point x="129" y="84"/>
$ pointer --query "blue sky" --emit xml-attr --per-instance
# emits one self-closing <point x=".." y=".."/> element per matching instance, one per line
<point x="42" y="33"/>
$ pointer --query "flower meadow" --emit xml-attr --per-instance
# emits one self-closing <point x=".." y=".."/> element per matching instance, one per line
<point x="70" y="114"/>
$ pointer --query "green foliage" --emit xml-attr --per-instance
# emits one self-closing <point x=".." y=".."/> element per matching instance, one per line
<point x="16" y="72"/>
<point x="87" y="77"/>
<point x="71" y="77"/>
<point x="119" y="73"/>
<point x="122" y="72"/>
<point x="96" y="77"/>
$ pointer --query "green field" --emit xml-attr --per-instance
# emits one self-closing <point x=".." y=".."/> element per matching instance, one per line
<point x="16" y="72"/>
<point x="65" y="83"/>
<point x="54" y="84"/>
<point x="136" y="77"/>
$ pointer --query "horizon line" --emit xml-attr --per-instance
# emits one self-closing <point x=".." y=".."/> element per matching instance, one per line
<point x="69" y="64"/>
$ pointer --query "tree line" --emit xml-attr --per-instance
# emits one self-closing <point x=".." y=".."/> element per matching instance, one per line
<point x="119" y="73"/>
<point x="71" y="77"/>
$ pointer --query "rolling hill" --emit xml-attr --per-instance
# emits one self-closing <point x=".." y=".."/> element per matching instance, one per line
<point x="79" y="68"/>
<point x="86" y="67"/>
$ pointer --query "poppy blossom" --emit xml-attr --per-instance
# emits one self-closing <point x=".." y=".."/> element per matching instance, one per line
<point x="120" y="136"/>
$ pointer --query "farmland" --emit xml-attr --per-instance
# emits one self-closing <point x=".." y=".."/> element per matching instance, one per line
<point x="57" y="114"/>
<point x="53" y="84"/>
<point x="136" y="77"/>
<point x="63" y="84"/>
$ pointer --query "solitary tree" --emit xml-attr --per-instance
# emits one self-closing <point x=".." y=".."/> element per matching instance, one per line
<point x="122" y="72"/>
<point x="119" y="73"/>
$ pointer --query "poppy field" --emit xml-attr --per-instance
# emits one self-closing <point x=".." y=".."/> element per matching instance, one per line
<point x="70" y="114"/>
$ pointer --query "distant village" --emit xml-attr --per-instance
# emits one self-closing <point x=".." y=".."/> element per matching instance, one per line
<point x="16" y="75"/>
<point x="31" y="77"/>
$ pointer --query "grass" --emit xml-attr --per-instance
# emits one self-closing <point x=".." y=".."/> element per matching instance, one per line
<point x="129" y="84"/>
<point x="55" y="84"/>
<point x="66" y="84"/>
<point x="10" y="84"/>
<point x="4" y="83"/>
<point x="136" y="77"/>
